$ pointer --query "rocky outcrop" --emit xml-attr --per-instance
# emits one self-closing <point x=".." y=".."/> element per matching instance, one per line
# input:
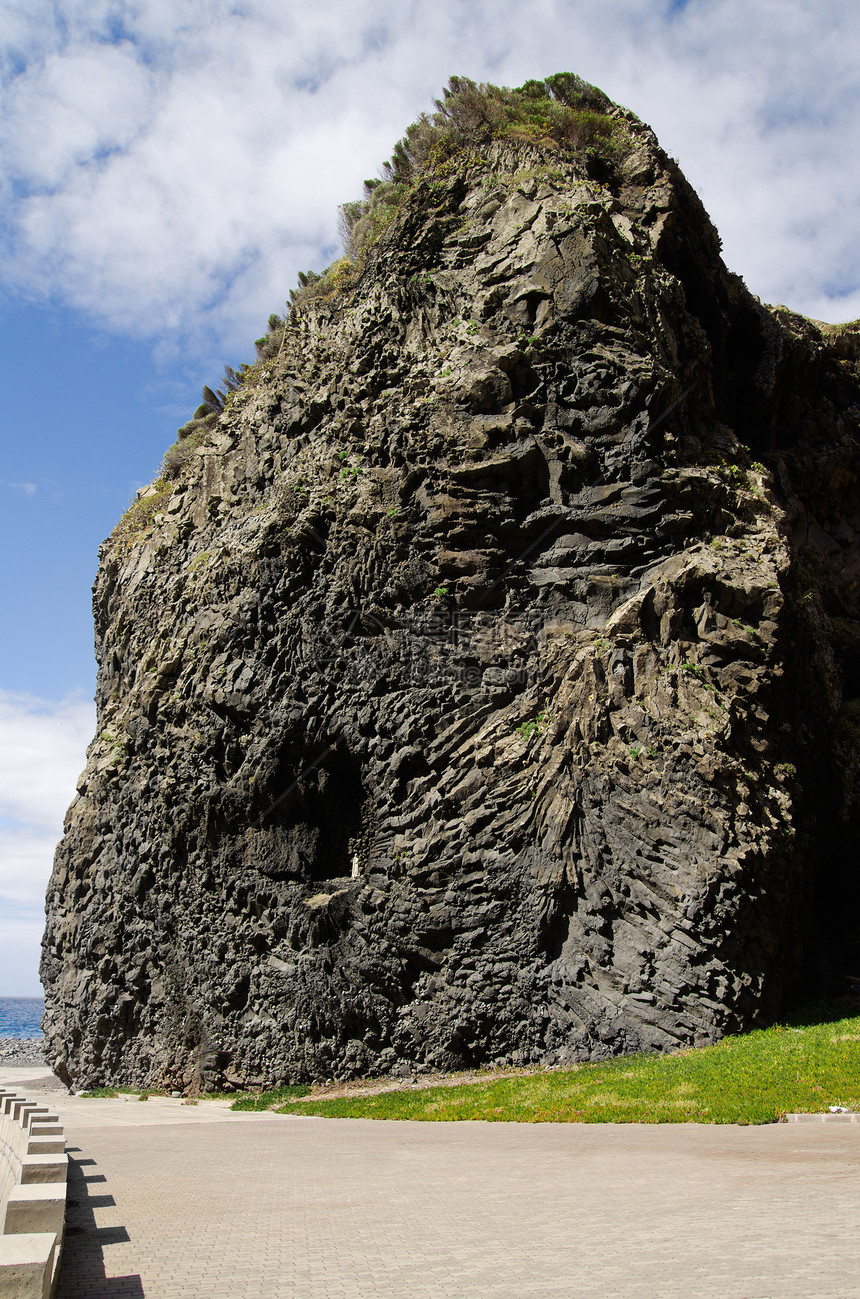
<point x="479" y="689"/>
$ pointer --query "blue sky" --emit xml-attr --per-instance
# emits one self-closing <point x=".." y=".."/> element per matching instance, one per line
<point x="166" y="170"/>
<point x="86" y="419"/>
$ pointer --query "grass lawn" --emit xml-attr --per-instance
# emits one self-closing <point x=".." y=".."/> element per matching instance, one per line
<point x="805" y="1065"/>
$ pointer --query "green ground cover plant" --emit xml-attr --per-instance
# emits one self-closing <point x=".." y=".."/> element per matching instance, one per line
<point x="527" y="729"/>
<point x="805" y="1065"/>
<point x="140" y="515"/>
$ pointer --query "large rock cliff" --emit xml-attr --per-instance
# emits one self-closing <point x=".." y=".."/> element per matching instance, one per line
<point x="481" y="684"/>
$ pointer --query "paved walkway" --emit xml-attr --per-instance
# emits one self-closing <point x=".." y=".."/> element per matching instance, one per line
<point x="176" y="1200"/>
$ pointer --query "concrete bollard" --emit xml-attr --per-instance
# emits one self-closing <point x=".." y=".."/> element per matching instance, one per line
<point x="36" y="1169"/>
<point x="27" y="1265"/>
<point x="49" y="1143"/>
<point x="46" y="1126"/>
<point x="36" y="1209"/>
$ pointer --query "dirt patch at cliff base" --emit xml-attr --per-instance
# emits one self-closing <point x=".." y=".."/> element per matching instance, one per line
<point x="415" y="1081"/>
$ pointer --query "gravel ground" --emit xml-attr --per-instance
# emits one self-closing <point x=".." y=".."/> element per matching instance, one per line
<point x="16" y="1052"/>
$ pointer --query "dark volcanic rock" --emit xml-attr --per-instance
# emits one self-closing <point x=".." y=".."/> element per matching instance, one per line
<point x="476" y="692"/>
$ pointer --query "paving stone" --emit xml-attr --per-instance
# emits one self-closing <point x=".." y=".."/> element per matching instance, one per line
<point x="208" y="1204"/>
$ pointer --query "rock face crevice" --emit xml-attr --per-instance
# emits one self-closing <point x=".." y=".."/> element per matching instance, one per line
<point x="481" y="688"/>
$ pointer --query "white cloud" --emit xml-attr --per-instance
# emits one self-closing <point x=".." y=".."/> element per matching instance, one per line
<point x="26" y="855"/>
<point x="42" y="750"/>
<point x="20" y="942"/>
<point x="85" y="104"/>
<point x="169" y="168"/>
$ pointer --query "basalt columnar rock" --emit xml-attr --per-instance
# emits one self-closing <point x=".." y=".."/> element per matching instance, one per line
<point x="482" y="686"/>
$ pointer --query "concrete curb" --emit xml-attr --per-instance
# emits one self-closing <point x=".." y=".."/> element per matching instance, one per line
<point x="851" y="1117"/>
<point x="33" y="1172"/>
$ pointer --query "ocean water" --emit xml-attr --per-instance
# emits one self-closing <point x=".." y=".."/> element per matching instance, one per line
<point x="20" y="1016"/>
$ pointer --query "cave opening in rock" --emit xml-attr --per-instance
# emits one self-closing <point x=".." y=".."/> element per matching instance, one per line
<point x="333" y="797"/>
<point x="315" y="828"/>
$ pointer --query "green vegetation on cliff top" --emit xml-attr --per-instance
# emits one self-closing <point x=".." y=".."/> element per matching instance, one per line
<point x="562" y="112"/>
<point x="803" y="1066"/>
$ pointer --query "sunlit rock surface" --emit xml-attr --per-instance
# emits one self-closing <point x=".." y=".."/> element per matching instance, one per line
<point x="480" y="690"/>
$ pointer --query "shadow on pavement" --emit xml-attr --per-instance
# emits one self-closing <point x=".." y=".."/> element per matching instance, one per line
<point x="82" y="1266"/>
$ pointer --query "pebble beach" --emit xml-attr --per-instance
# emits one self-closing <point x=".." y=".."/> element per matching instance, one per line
<point x="17" y="1052"/>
